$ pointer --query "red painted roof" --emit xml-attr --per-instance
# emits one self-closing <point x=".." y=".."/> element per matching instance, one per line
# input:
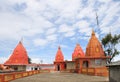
<point x="94" y="47"/>
<point x="19" y="56"/>
<point x="78" y="52"/>
<point x="59" y="56"/>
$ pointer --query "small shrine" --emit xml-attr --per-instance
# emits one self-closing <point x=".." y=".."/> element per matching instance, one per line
<point x="59" y="60"/>
<point x="18" y="59"/>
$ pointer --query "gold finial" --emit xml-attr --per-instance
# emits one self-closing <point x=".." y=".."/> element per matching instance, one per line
<point x="59" y="47"/>
<point x="93" y="33"/>
<point x="21" y="41"/>
<point x="78" y="44"/>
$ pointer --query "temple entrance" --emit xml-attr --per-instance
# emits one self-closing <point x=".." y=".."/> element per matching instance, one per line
<point x="85" y="64"/>
<point x="36" y="68"/>
<point x="58" y="67"/>
<point x="65" y="66"/>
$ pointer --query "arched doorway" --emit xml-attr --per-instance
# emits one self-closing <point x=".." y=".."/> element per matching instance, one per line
<point x="58" y="67"/>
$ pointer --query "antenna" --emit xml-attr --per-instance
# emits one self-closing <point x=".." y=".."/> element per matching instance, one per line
<point x="98" y="25"/>
<point x="97" y="19"/>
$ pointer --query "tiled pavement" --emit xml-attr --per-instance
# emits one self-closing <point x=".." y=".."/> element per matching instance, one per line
<point x="61" y="77"/>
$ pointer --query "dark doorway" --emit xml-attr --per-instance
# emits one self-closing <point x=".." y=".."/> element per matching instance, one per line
<point x="85" y="64"/>
<point x="35" y="68"/>
<point x="58" y="67"/>
<point x="65" y="66"/>
<point x="15" y="68"/>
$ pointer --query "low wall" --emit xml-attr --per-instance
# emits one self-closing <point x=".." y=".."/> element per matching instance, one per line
<point x="101" y="71"/>
<point x="15" y="75"/>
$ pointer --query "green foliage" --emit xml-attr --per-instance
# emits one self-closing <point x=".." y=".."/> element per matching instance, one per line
<point x="29" y="60"/>
<point x="109" y="43"/>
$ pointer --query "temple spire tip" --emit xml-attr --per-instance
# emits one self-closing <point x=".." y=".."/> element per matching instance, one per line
<point x="93" y="32"/>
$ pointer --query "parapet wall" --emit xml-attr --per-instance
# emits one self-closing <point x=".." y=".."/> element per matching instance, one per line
<point x="12" y="76"/>
<point x="101" y="71"/>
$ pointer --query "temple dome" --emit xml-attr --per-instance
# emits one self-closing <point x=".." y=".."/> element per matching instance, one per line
<point x="78" y="52"/>
<point x="94" y="47"/>
<point x="19" y="56"/>
<point x="59" y="56"/>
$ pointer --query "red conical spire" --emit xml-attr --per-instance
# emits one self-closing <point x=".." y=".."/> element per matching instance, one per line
<point x="19" y="56"/>
<point x="78" y="52"/>
<point x="59" y="56"/>
<point x="94" y="47"/>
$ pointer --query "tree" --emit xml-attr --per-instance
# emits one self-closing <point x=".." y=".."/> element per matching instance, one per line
<point x="109" y="43"/>
<point x="29" y="60"/>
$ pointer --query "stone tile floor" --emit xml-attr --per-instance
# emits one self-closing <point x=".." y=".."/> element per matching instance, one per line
<point x="61" y="77"/>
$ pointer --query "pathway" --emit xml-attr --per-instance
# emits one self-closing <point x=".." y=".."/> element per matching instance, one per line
<point x="61" y="77"/>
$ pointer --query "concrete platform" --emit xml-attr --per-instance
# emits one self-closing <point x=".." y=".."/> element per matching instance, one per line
<point x="61" y="77"/>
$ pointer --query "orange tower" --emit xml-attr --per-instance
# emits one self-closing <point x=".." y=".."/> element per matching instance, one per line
<point x="59" y="56"/>
<point x="95" y="57"/>
<point x="19" y="56"/>
<point x="94" y="48"/>
<point x="59" y="60"/>
<point x="78" y="52"/>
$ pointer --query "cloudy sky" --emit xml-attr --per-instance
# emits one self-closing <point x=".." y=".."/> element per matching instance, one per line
<point x="46" y="24"/>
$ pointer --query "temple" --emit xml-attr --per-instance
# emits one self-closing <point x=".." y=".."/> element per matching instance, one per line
<point x="59" y="60"/>
<point x="19" y="58"/>
<point x="92" y="62"/>
<point x="94" y="48"/>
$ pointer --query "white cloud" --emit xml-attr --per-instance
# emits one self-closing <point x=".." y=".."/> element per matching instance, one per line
<point x="82" y="24"/>
<point x="44" y="60"/>
<point x="68" y="31"/>
<point x="40" y="42"/>
<point x="65" y="28"/>
<point x="55" y="19"/>
<point x="36" y="60"/>
<point x="70" y="34"/>
<point x="109" y="14"/>
<point x="63" y="46"/>
<point x="104" y="1"/>
<point x="83" y="27"/>
<point x="10" y="25"/>
<point x="86" y="12"/>
<point x="51" y="31"/>
<point x="3" y="60"/>
<point x="51" y="37"/>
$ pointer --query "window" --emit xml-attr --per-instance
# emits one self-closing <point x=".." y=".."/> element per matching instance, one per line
<point x="98" y="61"/>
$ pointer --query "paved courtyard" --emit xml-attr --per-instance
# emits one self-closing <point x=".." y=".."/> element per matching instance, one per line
<point x="61" y="77"/>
